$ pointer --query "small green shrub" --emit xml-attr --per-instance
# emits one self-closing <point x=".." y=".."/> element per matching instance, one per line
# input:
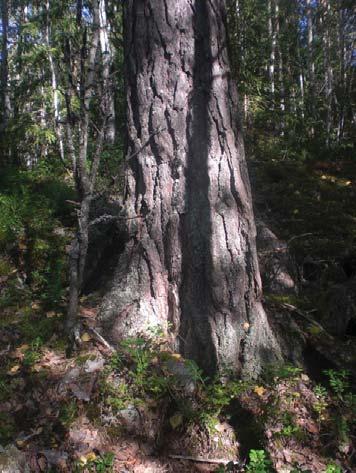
<point x="95" y="464"/>
<point x="33" y="354"/>
<point x="68" y="413"/>
<point x="258" y="462"/>
<point x="145" y="371"/>
<point x="195" y="372"/>
<point x="333" y="469"/>
<point x="282" y="371"/>
<point x="102" y="464"/>
<point x="117" y="396"/>
<point x="289" y="428"/>
<point x="321" y="404"/>
<point x="139" y="350"/>
<point x="339" y="381"/>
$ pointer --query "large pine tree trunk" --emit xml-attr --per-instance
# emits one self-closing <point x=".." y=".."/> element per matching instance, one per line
<point x="190" y="260"/>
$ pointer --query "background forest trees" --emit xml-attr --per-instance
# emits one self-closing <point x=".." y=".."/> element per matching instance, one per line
<point x="294" y="62"/>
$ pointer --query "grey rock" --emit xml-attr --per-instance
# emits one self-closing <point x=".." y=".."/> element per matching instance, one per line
<point x="290" y="337"/>
<point x="130" y="418"/>
<point x="91" y="366"/>
<point x="55" y="457"/>
<point x="276" y="265"/>
<point x="81" y="381"/>
<point x="80" y="393"/>
<point x="183" y="375"/>
<point x="12" y="460"/>
<point x="338" y="307"/>
<point x="71" y="376"/>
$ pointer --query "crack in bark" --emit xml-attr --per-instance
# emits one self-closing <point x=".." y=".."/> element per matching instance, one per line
<point x="171" y="131"/>
<point x="150" y="272"/>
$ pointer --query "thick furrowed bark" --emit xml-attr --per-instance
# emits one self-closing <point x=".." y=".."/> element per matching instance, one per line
<point x="190" y="258"/>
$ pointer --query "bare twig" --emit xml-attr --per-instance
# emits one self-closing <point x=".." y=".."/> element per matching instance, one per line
<point x="296" y="237"/>
<point x="101" y="339"/>
<point x="204" y="460"/>
<point x="145" y="144"/>
<point x="109" y="218"/>
<point x="297" y="311"/>
<point x="106" y="218"/>
<point x="77" y="204"/>
<point x="132" y="218"/>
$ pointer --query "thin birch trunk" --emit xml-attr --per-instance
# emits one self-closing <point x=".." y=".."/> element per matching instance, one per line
<point x="54" y="85"/>
<point x="272" y="58"/>
<point x="301" y="80"/>
<point x="107" y="59"/>
<point x="5" y="96"/>
<point x="310" y="58"/>
<point x="342" y="75"/>
<point x="282" y="105"/>
<point x="328" y="70"/>
<point x="84" y="178"/>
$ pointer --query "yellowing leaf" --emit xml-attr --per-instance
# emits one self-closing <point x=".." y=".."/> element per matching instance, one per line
<point x="50" y="314"/>
<point x="14" y="369"/>
<point x="24" y="347"/>
<point x="83" y="460"/>
<point x="314" y="329"/>
<point x="91" y="457"/>
<point x="176" y="356"/>
<point x="259" y="390"/>
<point x="85" y="337"/>
<point x="176" y="420"/>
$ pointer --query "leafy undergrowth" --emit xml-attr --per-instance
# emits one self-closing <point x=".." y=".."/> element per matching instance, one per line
<point x="143" y="407"/>
<point x="36" y="222"/>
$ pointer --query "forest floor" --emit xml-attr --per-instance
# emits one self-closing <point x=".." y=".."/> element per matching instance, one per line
<point x="138" y="408"/>
<point x="129" y="411"/>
